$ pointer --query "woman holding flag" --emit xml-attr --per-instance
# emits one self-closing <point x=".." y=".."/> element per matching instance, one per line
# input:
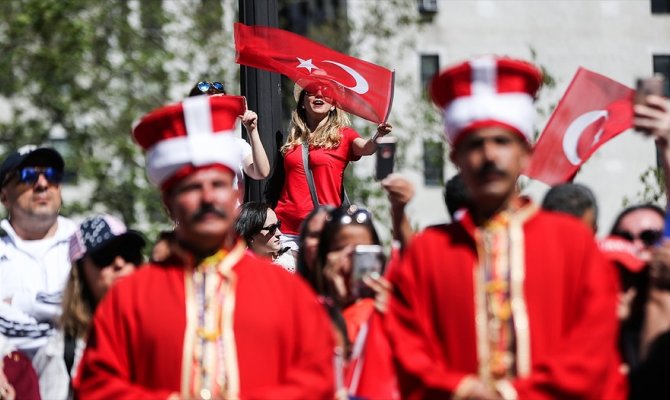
<point x="320" y="133"/>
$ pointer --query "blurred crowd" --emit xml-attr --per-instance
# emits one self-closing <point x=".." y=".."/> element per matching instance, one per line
<point x="301" y="299"/>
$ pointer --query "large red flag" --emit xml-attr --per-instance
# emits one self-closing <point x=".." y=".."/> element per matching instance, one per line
<point x="592" y="111"/>
<point x="361" y="88"/>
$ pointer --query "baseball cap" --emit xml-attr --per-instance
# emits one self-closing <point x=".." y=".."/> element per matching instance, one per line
<point x="27" y="154"/>
<point x="99" y="232"/>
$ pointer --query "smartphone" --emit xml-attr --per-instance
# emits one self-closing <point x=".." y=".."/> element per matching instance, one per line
<point x="648" y="86"/>
<point x="367" y="260"/>
<point x="385" y="156"/>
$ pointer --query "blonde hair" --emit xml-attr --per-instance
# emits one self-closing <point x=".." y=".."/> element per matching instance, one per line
<point x="326" y="136"/>
<point x="78" y="303"/>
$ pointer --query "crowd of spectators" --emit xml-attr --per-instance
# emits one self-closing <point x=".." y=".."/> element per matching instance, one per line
<point x="300" y="300"/>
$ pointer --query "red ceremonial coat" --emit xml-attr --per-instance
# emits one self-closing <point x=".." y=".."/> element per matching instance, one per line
<point x="283" y="338"/>
<point x="567" y="306"/>
<point x="369" y="373"/>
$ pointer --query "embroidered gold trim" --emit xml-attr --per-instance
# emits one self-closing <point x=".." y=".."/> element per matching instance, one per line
<point x="518" y="298"/>
<point x="479" y="284"/>
<point x="189" y="333"/>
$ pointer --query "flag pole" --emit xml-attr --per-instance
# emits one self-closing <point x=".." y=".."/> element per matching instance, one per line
<point x="262" y="90"/>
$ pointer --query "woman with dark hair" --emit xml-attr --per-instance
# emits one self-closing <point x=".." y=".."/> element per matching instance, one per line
<point x="257" y="223"/>
<point x="308" y="241"/>
<point x="102" y="251"/>
<point x="363" y="351"/>
<point x="323" y="128"/>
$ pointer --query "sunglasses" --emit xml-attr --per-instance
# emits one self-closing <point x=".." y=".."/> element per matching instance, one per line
<point x="649" y="237"/>
<point x="352" y="215"/>
<point x="313" y="90"/>
<point x="104" y="258"/>
<point x="272" y="229"/>
<point x="30" y="175"/>
<point x="205" y="87"/>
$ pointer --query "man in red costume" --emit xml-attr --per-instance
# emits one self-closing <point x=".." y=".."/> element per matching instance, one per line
<point x="211" y="321"/>
<point x="509" y="301"/>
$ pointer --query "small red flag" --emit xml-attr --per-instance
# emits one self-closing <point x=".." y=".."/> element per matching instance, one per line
<point x="593" y="110"/>
<point x="361" y="88"/>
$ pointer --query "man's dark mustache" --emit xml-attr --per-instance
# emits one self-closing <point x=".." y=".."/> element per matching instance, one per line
<point x="490" y="168"/>
<point x="208" y="209"/>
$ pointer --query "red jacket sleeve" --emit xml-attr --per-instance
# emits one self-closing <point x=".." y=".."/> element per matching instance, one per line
<point x="104" y="371"/>
<point x="583" y="362"/>
<point x="309" y="374"/>
<point x="421" y="372"/>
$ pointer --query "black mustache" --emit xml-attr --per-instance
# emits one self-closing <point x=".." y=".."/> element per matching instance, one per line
<point x="208" y="209"/>
<point x="490" y="168"/>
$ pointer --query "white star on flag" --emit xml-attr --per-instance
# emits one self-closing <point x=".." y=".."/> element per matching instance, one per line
<point x="307" y="64"/>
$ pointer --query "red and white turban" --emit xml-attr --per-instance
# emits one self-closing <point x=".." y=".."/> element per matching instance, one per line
<point x="487" y="91"/>
<point x="196" y="133"/>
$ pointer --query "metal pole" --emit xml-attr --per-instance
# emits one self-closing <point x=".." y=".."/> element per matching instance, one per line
<point x="263" y="92"/>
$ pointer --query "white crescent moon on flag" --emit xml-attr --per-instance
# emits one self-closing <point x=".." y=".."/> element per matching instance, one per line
<point x="575" y="131"/>
<point x="361" y="86"/>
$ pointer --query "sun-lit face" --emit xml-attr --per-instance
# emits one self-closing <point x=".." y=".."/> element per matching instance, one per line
<point x="103" y="267"/>
<point x="490" y="160"/>
<point x="29" y="203"/>
<point x="203" y="207"/>
<point x="317" y="102"/>
<point x="639" y="224"/>
<point x="312" y="234"/>
<point x="350" y="235"/>
<point x="266" y="242"/>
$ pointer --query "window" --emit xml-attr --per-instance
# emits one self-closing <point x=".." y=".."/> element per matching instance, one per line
<point x="430" y="64"/>
<point x="433" y="163"/>
<point x="660" y="6"/>
<point x="427" y="6"/>
<point x="662" y="66"/>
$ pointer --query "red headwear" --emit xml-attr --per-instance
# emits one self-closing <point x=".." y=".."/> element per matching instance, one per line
<point x="183" y="137"/>
<point x="621" y="252"/>
<point x="487" y="91"/>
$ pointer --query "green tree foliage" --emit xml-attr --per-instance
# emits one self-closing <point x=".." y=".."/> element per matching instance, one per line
<point x="78" y="73"/>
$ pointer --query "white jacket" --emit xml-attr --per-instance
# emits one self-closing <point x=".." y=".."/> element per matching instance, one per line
<point x="51" y="370"/>
<point x="32" y="278"/>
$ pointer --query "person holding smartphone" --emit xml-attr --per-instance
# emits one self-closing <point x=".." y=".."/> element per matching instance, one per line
<point x="348" y="277"/>
<point x="649" y="323"/>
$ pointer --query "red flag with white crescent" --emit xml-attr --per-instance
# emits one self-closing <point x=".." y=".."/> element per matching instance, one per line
<point x="359" y="87"/>
<point x="593" y="110"/>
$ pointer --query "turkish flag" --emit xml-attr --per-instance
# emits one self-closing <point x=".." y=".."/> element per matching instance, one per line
<point x="358" y="87"/>
<point x="592" y="111"/>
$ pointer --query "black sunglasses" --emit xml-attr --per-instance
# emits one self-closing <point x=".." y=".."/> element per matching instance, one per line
<point x="272" y="229"/>
<point x="649" y="237"/>
<point x="104" y="258"/>
<point x="30" y="175"/>
<point x="205" y="87"/>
